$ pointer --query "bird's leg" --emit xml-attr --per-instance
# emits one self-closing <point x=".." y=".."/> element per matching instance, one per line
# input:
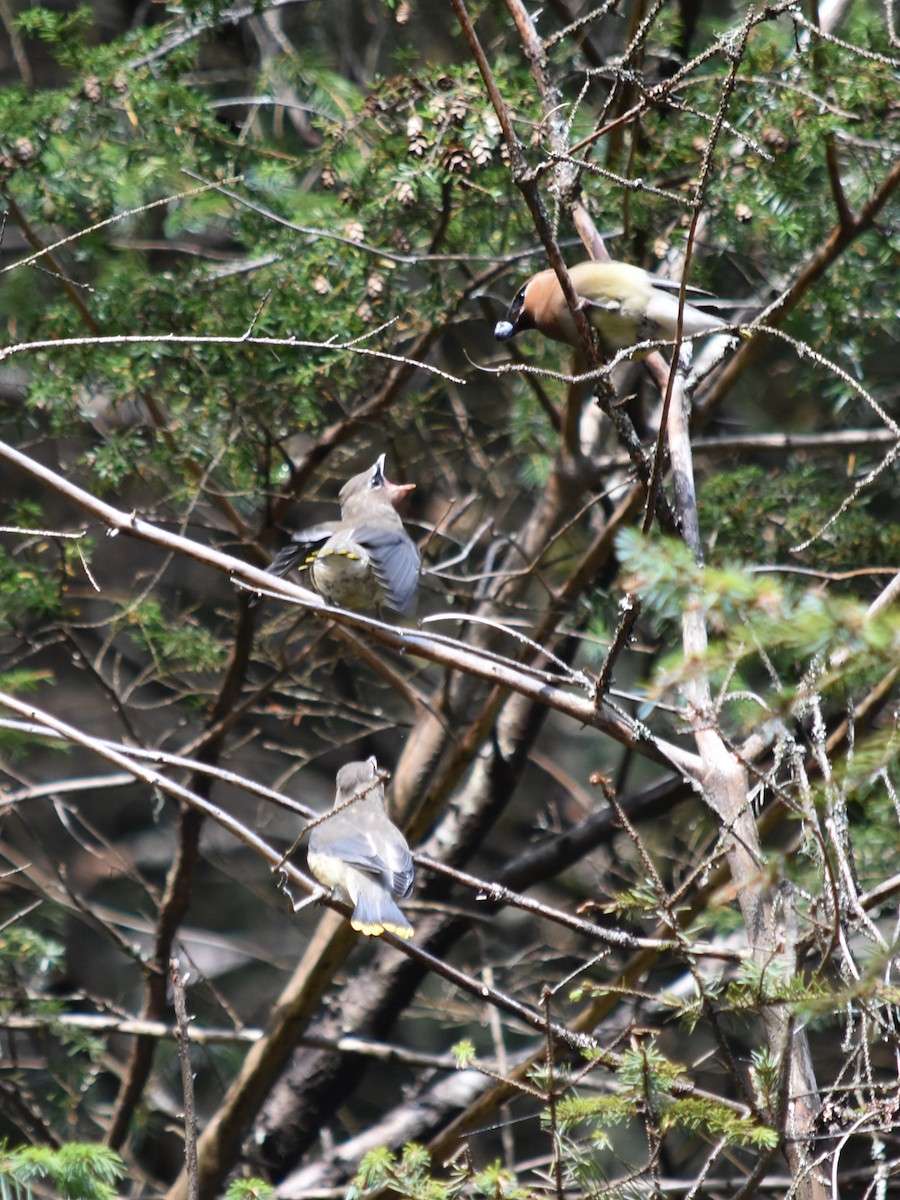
<point x="296" y="905"/>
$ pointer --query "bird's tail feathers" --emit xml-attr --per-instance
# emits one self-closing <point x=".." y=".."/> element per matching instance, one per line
<point x="286" y="559"/>
<point x="376" y="913"/>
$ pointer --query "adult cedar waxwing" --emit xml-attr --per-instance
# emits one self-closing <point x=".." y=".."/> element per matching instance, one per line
<point x="365" y="559"/>
<point x="361" y="855"/>
<point x="624" y="304"/>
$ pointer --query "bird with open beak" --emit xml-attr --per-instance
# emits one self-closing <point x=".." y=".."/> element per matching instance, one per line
<point x="362" y="855"/>
<point x="366" y="559"/>
<point x="625" y="304"/>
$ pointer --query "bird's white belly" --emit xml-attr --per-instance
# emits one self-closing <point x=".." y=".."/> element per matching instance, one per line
<point x="345" y="882"/>
<point x="618" y="330"/>
<point x="330" y="871"/>
<point x="345" y="578"/>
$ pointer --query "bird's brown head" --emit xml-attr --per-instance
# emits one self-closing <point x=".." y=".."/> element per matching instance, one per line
<point x="540" y="305"/>
<point x="374" y="482"/>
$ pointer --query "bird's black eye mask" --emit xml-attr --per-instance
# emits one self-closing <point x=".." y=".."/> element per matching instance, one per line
<point x="515" y="321"/>
<point x="518" y="314"/>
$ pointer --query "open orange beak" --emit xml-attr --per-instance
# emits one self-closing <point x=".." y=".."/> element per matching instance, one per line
<point x="397" y="491"/>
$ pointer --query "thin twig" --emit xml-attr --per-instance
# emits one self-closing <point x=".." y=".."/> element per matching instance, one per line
<point x="187" y="1079"/>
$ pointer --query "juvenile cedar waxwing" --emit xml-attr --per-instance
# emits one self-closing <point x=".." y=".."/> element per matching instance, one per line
<point x="365" y="559"/>
<point x="624" y="304"/>
<point x="362" y="856"/>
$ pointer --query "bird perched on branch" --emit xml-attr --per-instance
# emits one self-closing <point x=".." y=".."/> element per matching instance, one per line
<point x="361" y="855"/>
<point x="625" y="304"/>
<point x="365" y="559"/>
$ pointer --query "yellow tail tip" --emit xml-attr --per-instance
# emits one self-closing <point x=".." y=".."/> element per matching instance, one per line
<point x="370" y="929"/>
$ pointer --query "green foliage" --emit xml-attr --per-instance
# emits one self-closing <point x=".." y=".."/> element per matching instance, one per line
<point x="250" y="1189"/>
<point x="112" y="463"/>
<point x="29" y="952"/>
<point x="704" y="1116"/>
<point x="464" y="1053"/>
<point x="646" y="1073"/>
<point x="14" y="743"/>
<point x="407" y="1174"/>
<point x="56" y="28"/>
<point x="662" y="573"/>
<point x="715" y="1121"/>
<point x="436" y="147"/>
<point x="23" y="681"/>
<point x="771" y="983"/>
<point x="757" y="515"/>
<point x="634" y="903"/>
<point x="599" y="1112"/>
<point x="33" y="577"/>
<point x="766" y="1076"/>
<point x="800" y="629"/>
<point x="495" y="1183"/>
<point x="182" y="645"/>
<point x="76" y="1172"/>
<point x="343" y="205"/>
<point x="26" y="593"/>
<point x="867" y="779"/>
<point x="645" y="1088"/>
<point x="410" y="1175"/>
<point x="31" y="962"/>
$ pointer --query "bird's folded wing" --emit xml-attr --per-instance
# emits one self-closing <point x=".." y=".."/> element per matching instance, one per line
<point x="609" y="305"/>
<point x="700" y="298"/>
<point x="395" y="852"/>
<point x="391" y="864"/>
<point x="301" y="545"/>
<point x="672" y="285"/>
<point x="357" y="851"/>
<point x="404" y="877"/>
<point x="395" y="561"/>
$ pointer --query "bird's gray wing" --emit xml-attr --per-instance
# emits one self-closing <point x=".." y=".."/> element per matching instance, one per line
<point x="303" y="542"/>
<point x="404" y="875"/>
<point x="673" y="285"/>
<point x="392" y="865"/>
<point x="395" y="562"/>
<point x="357" y="851"/>
<point x="396" y="854"/>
